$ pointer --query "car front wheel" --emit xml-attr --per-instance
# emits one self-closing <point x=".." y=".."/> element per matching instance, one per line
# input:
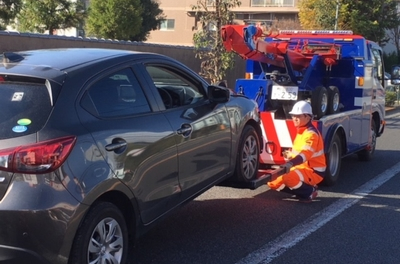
<point x="248" y="155"/>
<point x="367" y="153"/>
<point x="102" y="237"/>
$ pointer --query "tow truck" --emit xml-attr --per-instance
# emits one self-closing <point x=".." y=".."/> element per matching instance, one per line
<point x="340" y="73"/>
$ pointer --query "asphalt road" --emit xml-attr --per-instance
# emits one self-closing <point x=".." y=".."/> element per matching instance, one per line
<point x="355" y="221"/>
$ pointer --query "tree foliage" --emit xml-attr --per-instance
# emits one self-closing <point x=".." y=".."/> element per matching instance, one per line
<point x="372" y="18"/>
<point x="394" y="34"/>
<point x="8" y="11"/>
<point x="42" y="15"/>
<point x="152" y="16"/>
<point x="368" y="18"/>
<point x="123" y="19"/>
<point x="391" y="59"/>
<point x="212" y="15"/>
<point x="321" y="14"/>
<point x="114" y="19"/>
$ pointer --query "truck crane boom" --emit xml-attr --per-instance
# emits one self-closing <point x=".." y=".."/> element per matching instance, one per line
<point x="249" y="42"/>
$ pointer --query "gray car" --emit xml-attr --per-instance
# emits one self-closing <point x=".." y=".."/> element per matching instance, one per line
<point x="98" y="145"/>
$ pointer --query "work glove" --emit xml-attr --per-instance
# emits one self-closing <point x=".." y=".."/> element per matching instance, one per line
<point x="286" y="167"/>
<point x="286" y="154"/>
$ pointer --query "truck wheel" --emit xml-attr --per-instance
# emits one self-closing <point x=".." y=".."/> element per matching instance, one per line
<point x="333" y="162"/>
<point x="319" y="101"/>
<point x="248" y="156"/>
<point x="367" y="153"/>
<point x="334" y="100"/>
<point x="102" y="237"/>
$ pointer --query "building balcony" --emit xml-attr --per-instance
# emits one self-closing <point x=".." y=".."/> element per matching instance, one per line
<point x="259" y="6"/>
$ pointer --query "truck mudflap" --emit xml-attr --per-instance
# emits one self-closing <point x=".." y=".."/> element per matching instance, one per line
<point x="264" y="176"/>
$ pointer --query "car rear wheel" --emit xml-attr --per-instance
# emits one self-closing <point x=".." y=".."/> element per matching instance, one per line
<point x="319" y="101"/>
<point x="333" y="162"/>
<point x="102" y="237"/>
<point x="334" y="100"/>
<point x="248" y="155"/>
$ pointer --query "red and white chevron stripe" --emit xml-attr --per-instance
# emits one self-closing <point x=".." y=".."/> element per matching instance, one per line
<point x="278" y="135"/>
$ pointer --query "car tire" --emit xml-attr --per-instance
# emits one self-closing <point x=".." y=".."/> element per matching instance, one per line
<point x="248" y="155"/>
<point x="333" y="162"/>
<point x="319" y="101"/>
<point x="105" y="225"/>
<point x="334" y="100"/>
<point x="367" y="153"/>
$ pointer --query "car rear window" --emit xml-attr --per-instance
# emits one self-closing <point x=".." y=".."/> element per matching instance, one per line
<point x="24" y="108"/>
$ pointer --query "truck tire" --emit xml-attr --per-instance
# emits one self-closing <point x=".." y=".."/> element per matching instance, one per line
<point x="319" y="101"/>
<point x="367" y="153"/>
<point x="103" y="230"/>
<point x="248" y="156"/>
<point x="333" y="100"/>
<point x="333" y="161"/>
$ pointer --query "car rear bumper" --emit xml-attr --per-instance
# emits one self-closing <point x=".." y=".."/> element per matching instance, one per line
<point x="35" y="222"/>
<point x="15" y="255"/>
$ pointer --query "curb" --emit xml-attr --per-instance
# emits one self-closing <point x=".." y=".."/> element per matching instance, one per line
<point x="389" y="109"/>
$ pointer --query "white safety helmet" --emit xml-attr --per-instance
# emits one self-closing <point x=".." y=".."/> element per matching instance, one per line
<point x="301" y="107"/>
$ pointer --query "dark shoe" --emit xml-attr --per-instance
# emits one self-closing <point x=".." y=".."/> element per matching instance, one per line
<point x="309" y="199"/>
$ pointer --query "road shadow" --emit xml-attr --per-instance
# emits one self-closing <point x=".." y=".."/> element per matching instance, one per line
<point x="226" y="229"/>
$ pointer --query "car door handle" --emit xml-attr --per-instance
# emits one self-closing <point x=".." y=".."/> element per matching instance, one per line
<point x="115" y="146"/>
<point x="185" y="130"/>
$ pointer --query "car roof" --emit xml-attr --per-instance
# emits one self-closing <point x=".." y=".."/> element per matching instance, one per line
<point x="52" y="63"/>
<point x="65" y="58"/>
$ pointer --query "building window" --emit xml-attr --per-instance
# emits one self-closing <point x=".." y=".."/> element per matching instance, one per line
<point x="210" y="2"/>
<point x="167" y="24"/>
<point x="270" y="3"/>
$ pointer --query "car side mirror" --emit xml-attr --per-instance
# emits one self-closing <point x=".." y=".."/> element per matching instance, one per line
<point x="395" y="75"/>
<point x="395" y="72"/>
<point x="218" y="94"/>
<point x="223" y="83"/>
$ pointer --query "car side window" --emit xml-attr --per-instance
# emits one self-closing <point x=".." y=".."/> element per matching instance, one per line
<point x="117" y="95"/>
<point x="174" y="89"/>
<point x="377" y="61"/>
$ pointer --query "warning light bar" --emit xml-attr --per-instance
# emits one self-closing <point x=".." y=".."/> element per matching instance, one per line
<point x="317" y="32"/>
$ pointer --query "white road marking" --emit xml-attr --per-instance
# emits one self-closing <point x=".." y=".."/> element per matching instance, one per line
<point x="277" y="247"/>
<point x="391" y="115"/>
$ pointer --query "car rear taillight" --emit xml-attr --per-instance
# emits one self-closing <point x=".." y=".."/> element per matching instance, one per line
<point x="41" y="157"/>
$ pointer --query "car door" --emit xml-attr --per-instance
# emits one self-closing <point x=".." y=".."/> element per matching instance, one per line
<point x="137" y="142"/>
<point x="202" y="129"/>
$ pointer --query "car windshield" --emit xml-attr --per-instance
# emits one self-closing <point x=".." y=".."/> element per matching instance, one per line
<point x="24" y="108"/>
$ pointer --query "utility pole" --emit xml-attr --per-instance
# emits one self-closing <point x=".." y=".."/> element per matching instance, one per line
<point x="337" y="14"/>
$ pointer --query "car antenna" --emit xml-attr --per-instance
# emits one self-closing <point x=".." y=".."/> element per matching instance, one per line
<point x="12" y="57"/>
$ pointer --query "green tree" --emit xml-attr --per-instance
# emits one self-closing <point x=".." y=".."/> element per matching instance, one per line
<point x="372" y="18"/>
<point x="152" y="16"/>
<point x="42" y="15"/>
<point x="123" y="19"/>
<point x="390" y="59"/>
<point x="212" y="15"/>
<point x="394" y="34"/>
<point x="114" y="19"/>
<point x="321" y="14"/>
<point x="8" y="11"/>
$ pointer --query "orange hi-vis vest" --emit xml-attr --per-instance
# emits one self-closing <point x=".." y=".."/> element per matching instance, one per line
<point x="308" y="150"/>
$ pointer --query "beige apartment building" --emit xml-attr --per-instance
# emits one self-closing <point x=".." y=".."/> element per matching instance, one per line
<point x="180" y="23"/>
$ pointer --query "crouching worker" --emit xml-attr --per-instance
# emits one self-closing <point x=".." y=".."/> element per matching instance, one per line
<point x="305" y="166"/>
